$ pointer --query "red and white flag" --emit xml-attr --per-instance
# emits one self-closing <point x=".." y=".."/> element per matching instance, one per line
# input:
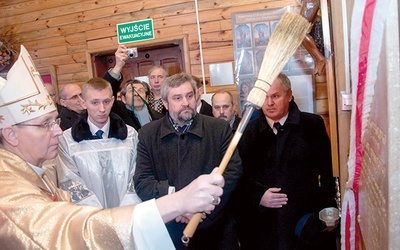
<point x="366" y="35"/>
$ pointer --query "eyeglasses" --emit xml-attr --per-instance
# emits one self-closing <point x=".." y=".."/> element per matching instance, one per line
<point x="50" y="126"/>
<point x="74" y="97"/>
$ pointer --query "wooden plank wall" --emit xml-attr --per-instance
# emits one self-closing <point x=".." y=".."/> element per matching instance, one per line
<point x="58" y="33"/>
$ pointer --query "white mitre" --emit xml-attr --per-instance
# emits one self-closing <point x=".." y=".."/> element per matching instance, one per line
<point x="23" y="96"/>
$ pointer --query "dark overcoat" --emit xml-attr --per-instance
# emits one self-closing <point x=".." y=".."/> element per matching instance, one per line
<point x="68" y="117"/>
<point x="206" y="108"/>
<point x="236" y="123"/>
<point x="297" y="160"/>
<point x="166" y="158"/>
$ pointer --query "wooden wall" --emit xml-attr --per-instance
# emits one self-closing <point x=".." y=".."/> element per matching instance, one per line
<point x="59" y="33"/>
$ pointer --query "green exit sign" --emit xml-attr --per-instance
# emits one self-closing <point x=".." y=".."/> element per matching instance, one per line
<point x="135" y="31"/>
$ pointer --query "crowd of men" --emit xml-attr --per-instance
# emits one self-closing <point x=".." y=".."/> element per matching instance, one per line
<point x="133" y="172"/>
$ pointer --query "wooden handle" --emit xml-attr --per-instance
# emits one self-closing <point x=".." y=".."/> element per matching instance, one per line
<point x="229" y="152"/>
<point x="191" y="228"/>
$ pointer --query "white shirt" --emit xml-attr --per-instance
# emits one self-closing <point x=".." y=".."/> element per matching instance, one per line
<point x="93" y="128"/>
<point x="281" y="121"/>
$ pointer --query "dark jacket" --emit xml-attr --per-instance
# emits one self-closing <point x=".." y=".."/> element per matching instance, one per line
<point x="68" y="117"/>
<point x="296" y="160"/>
<point x="81" y="131"/>
<point x="206" y="108"/>
<point x="166" y="158"/>
<point x="235" y="124"/>
<point x="120" y="109"/>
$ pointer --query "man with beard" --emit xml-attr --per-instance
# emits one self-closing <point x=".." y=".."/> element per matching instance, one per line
<point x="176" y="149"/>
<point x="223" y="107"/>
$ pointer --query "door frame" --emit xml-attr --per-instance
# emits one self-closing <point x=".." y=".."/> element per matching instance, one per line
<point x="182" y="40"/>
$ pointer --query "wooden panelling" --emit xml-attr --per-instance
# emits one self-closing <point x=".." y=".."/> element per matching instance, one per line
<point x="322" y="106"/>
<point x="212" y="55"/>
<point x="49" y="52"/>
<point x="71" y="68"/>
<point x="220" y="38"/>
<point x="16" y="8"/>
<point x="102" y="43"/>
<point x="321" y="91"/>
<point x="74" y="77"/>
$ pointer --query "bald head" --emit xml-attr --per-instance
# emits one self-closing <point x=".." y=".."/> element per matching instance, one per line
<point x="223" y="106"/>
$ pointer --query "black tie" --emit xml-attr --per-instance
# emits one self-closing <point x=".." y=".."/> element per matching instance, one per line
<point x="99" y="134"/>
<point x="277" y="125"/>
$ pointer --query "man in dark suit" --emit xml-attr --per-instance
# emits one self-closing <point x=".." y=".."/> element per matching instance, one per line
<point x="202" y="106"/>
<point x="175" y="150"/>
<point x="223" y="107"/>
<point x="287" y="174"/>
